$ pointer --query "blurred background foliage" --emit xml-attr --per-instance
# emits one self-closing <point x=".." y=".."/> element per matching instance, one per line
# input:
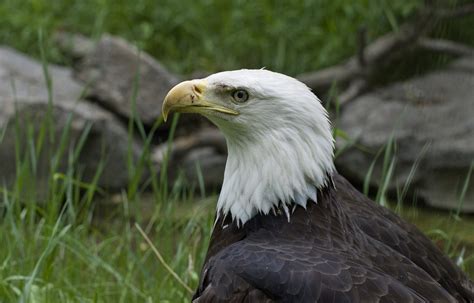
<point x="211" y="35"/>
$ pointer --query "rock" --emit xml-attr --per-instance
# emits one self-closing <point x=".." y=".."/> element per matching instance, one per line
<point x="207" y="137"/>
<point x="202" y="162"/>
<point x="111" y="70"/>
<point x="23" y="78"/>
<point x="22" y="86"/>
<point x="74" y="46"/>
<point x="434" y="112"/>
<point x="202" y="154"/>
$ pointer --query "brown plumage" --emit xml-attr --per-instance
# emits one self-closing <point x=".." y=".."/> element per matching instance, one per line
<point x="345" y="248"/>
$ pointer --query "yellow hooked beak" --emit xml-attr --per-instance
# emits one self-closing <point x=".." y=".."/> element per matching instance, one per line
<point x="187" y="97"/>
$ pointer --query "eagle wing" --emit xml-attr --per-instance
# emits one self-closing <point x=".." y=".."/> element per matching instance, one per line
<point x="404" y="238"/>
<point x="268" y="268"/>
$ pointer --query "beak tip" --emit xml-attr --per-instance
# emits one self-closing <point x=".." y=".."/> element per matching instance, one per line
<point x="165" y="110"/>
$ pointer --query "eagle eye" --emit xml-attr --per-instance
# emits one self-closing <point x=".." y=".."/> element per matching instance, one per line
<point x="240" y="95"/>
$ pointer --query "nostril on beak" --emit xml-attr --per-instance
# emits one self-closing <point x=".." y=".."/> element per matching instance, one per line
<point x="197" y="90"/>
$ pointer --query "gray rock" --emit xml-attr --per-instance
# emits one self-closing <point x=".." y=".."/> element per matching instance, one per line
<point x="203" y="154"/>
<point x="111" y="74"/>
<point x="74" y="46"/>
<point x="434" y="112"/>
<point x="203" y="163"/>
<point x="23" y="78"/>
<point x="24" y="106"/>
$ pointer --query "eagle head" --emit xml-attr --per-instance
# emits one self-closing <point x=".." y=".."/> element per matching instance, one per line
<point x="279" y="139"/>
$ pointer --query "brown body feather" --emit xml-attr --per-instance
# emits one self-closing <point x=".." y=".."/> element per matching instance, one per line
<point x="344" y="248"/>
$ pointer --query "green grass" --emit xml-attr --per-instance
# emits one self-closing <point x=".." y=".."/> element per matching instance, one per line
<point x="105" y="261"/>
<point x="63" y="238"/>
<point x="211" y="35"/>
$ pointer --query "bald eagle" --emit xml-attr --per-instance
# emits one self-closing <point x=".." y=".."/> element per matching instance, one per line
<point x="288" y="227"/>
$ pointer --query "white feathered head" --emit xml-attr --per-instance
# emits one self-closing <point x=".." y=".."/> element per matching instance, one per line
<point x="280" y="145"/>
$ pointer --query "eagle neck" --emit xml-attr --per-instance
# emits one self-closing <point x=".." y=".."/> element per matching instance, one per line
<point x="278" y="169"/>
